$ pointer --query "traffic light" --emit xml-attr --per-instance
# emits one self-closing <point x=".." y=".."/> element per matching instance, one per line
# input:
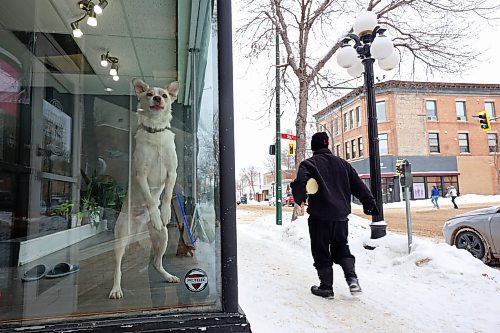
<point x="484" y="120"/>
<point x="272" y="150"/>
<point x="291" y="148"/>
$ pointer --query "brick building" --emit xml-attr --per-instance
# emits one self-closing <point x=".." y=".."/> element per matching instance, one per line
<point x="432" y="124"/>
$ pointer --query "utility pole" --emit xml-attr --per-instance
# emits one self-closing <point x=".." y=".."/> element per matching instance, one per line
<point x="278" y="198"/>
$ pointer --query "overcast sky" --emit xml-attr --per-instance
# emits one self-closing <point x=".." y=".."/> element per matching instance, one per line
<point x="255" y="124"/>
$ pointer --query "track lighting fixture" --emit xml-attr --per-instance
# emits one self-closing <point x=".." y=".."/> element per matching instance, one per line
<point x="105" y="59"/>
<point x="91" y="11"/>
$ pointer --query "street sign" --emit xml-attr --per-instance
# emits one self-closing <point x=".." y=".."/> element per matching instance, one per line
<point x="288" y="136"/>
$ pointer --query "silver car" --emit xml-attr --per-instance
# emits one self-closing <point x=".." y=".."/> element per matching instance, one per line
<point x="477" y="231"/>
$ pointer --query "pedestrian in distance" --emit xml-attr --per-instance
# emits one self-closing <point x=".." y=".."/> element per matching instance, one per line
<point x="452" y="192"/>
<point x="435" y="196"/>
<point x="328" y="210"/>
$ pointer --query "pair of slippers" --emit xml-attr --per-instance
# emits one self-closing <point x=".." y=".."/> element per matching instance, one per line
<point x="40" y="271"/>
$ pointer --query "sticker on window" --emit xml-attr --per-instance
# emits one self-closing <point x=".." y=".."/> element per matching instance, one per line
<point x="196" y="280"/>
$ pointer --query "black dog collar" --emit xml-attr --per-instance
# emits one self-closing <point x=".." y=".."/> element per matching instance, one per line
<point x="153" y="130"/>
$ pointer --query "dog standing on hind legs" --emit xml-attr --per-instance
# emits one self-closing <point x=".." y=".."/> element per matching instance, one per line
<point x="154" y="173"/>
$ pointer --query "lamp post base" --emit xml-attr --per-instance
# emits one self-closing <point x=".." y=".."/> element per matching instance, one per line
<point x="378" y="229"/>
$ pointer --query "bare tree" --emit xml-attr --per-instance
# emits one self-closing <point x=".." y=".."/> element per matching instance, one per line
<point x="429" y="34"/>
<point x="249" y="177"/>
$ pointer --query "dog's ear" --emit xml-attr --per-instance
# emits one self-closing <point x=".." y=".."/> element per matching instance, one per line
<point x="139" y="86"/>
<point x="173" y="89"/>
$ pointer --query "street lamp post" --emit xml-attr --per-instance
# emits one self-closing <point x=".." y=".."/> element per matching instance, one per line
<point x="370" y="44"/>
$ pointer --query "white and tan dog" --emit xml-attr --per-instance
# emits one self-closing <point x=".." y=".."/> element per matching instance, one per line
<point x="154" y="173"/>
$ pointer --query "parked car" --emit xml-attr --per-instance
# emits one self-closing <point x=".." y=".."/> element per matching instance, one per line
<point x="477" y="231"/>
<point x="288" y="200"/>
<point x="243" y="200"/>
<point x="272" y="201"/>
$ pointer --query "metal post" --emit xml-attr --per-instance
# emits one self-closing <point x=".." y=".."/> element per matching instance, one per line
<point x="408" y="217"/>
<point x="378" y="225"/>
<point x="278" y="136"/>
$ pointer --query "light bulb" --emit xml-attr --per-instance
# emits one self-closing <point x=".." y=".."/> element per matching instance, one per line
<point x="104" y="61"/>
<point x="365" y="23"/>
<point x="92" y="20"/>
<point x="98" y="9"/>
<point x="116" y="77"/>
<point x="76" y="30"/>
<point x="346" y="56"/>
<point x="381" y="47"/>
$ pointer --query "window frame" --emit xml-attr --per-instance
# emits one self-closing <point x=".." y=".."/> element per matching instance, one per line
<point x="495" y="145"/>
<point x="437" y="145"/>
<point x="434" y="115"/>
<point x="462" y="117"/>
<point x="491" y="111"/>
<point x="353" y="148"/>
<point x="463" y="149"/>
<point x="347" y="150"/>
<point x="386" y="140"/>
<point x="358" y="116"/>
<point x="360" y="146"/>
<point x="381" y="111"/>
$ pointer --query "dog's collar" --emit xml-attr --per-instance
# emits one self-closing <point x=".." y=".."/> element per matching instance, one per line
<point x="153" y="130"/>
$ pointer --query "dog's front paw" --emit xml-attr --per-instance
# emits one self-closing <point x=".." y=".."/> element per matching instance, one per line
<point x="172" y="279"/>
<point x="116" y="293"/>
<point x="154" y="215"/>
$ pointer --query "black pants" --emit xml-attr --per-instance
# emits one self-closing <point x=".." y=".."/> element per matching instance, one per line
<point x="453" y="201"/>
<point x="329" y="245"/>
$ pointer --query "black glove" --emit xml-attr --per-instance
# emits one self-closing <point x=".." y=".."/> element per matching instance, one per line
<point x="370" y="209"/>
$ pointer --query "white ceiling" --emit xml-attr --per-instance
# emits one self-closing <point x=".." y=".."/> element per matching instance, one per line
<point x="140" y="33"/>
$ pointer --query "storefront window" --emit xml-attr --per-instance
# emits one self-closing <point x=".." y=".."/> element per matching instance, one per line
<point x="108" y="160"/>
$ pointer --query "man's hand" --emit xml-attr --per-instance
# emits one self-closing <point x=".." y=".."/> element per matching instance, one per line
<point x="370" y="209"/>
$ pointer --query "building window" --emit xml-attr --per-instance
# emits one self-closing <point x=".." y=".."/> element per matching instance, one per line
<point x="492" y="143"/>
<point x="383" y="146"/>
<point x="353" y="145"/>
<point x="381" y="111"/>
<point x="358" y="116"/>
<point x="336" y="126"/>
<point x="431" y="110"/>
<point x="360" y="146"/>
<point x="490" y="108"/>
<point x="345" y="122"/>
<point x="463" y="142"/>
<point x="460" y="109"/>
<point x="351" y="119"/>
<point x="434" y="142"/>
<point x="347" y="153"/>
<point x="337" y="150"/>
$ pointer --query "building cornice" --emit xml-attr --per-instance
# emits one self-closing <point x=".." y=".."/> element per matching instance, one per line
<point x="396" y="86"/>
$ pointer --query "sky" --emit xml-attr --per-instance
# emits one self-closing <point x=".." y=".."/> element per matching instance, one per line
<point x="255" y="123"/>
<point x="435" y="288"/>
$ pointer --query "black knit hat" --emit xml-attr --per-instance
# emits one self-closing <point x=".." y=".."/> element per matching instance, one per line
<point x="319" y="140"/>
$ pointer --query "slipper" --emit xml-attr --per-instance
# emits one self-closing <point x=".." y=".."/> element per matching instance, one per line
<point x="35" y="273"/>
<point x="62" y="269"/>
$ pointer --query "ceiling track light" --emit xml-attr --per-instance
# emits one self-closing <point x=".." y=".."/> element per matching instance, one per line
<point x="105" y="59"/>
<point x="91" y="11"/>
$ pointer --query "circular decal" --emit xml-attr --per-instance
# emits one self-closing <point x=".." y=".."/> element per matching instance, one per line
<point x="196" y="280"/>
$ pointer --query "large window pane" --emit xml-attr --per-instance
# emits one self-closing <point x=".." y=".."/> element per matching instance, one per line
<point x="434" y="142"/>
<point x="381" y="116"/>
<point x="108" y="166"/>
<point x="463" y="142"/>
<point x="383" y="144"/>
<point x="490" y="108"/>
<point x="460" y="110"/>
<point x="431" y="110"/>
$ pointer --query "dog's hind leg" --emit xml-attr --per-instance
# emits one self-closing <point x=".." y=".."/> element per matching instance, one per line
<point x="116" y="291"/>
<point x="159" y="240"/>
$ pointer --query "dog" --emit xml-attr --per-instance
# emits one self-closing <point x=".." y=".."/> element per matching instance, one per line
<point x="154" y="170"/>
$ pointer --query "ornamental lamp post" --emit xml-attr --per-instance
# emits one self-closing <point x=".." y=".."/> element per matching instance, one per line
<point x="370" y="44"/>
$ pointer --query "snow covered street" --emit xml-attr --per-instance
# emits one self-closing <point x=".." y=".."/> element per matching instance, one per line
<point x="437" y="288"/>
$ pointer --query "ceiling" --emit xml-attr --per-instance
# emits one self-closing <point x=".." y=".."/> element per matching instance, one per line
<point x="142" y="34"/>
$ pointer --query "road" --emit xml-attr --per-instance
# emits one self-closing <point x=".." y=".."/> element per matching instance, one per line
<point x="426" y="221"/>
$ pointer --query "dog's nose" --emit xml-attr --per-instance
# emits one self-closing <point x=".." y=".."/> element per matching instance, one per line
<point x="157" y="99"/>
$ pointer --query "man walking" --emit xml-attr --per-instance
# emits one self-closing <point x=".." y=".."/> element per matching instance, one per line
<point x="435" y="196"/>
<point x="452" y="192"/>
<point x="328" y="210"/>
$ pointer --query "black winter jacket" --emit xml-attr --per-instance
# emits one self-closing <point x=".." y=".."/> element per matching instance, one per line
<point x="337" y="181"/>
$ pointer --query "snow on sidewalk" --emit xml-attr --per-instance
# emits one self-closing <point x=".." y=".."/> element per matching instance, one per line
<point x="437" y="288"/>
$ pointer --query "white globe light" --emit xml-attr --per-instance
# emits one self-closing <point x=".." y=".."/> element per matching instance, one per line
<point x="346" y="56"/>
<point x="365" y="22"/>
<point x="381" y="47"/>
<point x="391" y="62"/>
<point x="356" y="69"/>
<point x="116" y="77"/>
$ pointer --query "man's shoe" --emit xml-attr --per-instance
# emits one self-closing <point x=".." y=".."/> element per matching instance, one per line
<point x="354" y="286"/>
<point x="322" y="292"/>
